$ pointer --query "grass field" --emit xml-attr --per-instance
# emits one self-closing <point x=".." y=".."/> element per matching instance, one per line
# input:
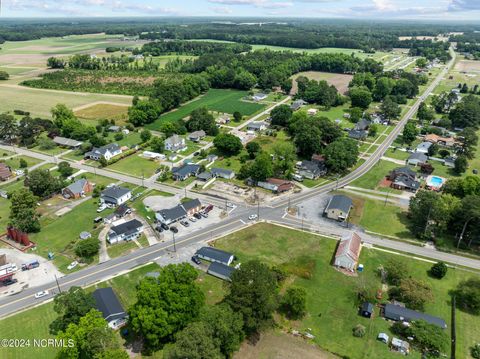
<point x="135" y="165"/>
<point x="331" y="304"/>
<point x="108" y="111"/>
<point x="227" y="101"/>
<point x="372" y="178"/>
<point x="340" y="81"/>
<point x="14" y="162"/>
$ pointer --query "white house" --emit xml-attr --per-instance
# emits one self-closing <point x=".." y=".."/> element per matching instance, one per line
<point x="175" y="143"/>
<point x="108" y="152"/>
<point x="153" y="155"/>
<point x="115" y="195"/>
<point x="125" y="231"/>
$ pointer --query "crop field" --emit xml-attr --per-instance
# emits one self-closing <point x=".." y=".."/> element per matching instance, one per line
<point x="340" y="81"/>
<point x="227" y="101"/>
<point x="109" y="111"/>
<point x="39" y="102"/>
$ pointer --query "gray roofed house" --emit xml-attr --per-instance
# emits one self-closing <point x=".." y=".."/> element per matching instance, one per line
<point x="312" y="169"/>
<point x="182" y="173"/>
<point x="115" y="195"/>
<point x="358" y="134"/>
<point x="222" y="172"/>
<point x="297" y="104"/>
<point x="108" y="152"/>
<point x="220" y="270"/>
<point x="212" y="158"/>
<point x="362" y="125"/>
<point x="259" y="96"/>
<point x="404" y="178"/>
<point x="171" y="215"/>
<point x="197" y="136"/>
<point x="67" y="142"/>
<point x="77" y="189"/>
<point x="423" y="147"/>
<point x="417" y="158"/>
<point x="257" y="126"/>
<point x="126" y="231"/>
<point x="338" y="207"/>
<point x="108" y="304"/>
<point x="114" y="128"/>
<point x="175" y="143"/>
<point x="215" y="255"/>
<point x="398" y="313"/>
<point x="204" y="176"/>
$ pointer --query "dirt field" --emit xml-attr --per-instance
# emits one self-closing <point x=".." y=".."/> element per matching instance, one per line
<point x="275" y="345"/>
<point x="103" y="110"/>
<point x="340" y="81"/>
<point x="468" y="66"/>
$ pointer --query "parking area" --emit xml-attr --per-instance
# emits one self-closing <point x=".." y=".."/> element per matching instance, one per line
<point x="35" y="277"/>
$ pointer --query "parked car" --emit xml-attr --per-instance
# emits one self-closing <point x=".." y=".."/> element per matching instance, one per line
<point x="72" y="265"/>
<point x="98" y="220"/>
<point x="252" y="217"/>
<point x="196" y="153"/>
<point x="185" y="223"/>
<point x="102" y="208"/>
<point x="197" y="216"/>
<point x="174" y="229"/>
<point x="298" y="178"/>
<point x="208" y="208"/>
<point x="165" y="226"/>
<point x="9" y="281"/>
<point x="196" y="260"/>
<point x="230" y="205"/>
<point x="204" y="214"/>
<point x="159" y="228"/>
<point x="41" y="294"/>
<point x="192" y="219"/>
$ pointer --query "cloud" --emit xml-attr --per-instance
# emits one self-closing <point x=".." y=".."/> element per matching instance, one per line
<point x="221" y="9"/>
<point x="265" y="4"/>
<point x="464" y="5"/>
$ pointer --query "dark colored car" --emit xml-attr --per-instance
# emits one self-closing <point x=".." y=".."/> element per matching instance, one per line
<point x="197" y="216"/>
<point x="159" y="228"/>
<point x="8" y="282"/>
<point x="185" y="223"/>
<point x="165" y="227"/>
<point x="196" y="260"/>
<point x="208" y="208"/>
<point x="174" y="229"/>
<point x="196" y="153"/>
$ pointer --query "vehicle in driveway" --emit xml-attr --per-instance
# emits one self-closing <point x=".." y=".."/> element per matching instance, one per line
<point x="101" y="208"/>
<point x="72" y="265"/>
<point x="41" y="294"/>
<point x="197" y="216"/>
<point x="185" y="223"/>
<point x="174" y="229"/>
<point x="252" y="217"/>
<point x="9" y="281"/>
<point x="165" y="226"/>
<point x="192" y="219"/>
<point x="98" y="220"/>
<point x="196" y="260"/>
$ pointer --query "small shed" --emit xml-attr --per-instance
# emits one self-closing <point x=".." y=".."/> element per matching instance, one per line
<point x="85" y="235"/>
<point x="400" y="346"/>
<point x="383" y="337"/>
<point x="367" y="309"/>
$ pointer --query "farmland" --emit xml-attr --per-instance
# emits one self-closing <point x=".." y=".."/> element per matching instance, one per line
<point x="109" y="111"/>
<point x="340" y="81"/>
<point x="227" y="101"/>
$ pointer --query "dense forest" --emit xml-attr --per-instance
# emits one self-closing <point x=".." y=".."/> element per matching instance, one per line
<point x="195" y="48"/>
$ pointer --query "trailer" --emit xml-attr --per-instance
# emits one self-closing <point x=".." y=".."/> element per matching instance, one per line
<point x="7" y="271"/>
<point x="30" y="265"/>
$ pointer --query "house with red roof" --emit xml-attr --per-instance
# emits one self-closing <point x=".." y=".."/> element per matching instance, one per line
<point x="348" y="252"/>
<point x="5" y="172"/>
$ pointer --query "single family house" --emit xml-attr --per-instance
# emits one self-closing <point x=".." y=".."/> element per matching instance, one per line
<point x="338" y="208"/>
<point x="215" y="255"/>
<point x="108" y="304"/>
<point x="115" y="195"/>
<point x="197" y="136"/>
<point x="185" y="171"/>
<point x="257" y="126"/>
<point x="125" y="232"/>
<point x="404" y="178"/>
<point x="222" y="173"/>
<point x="417" y="158"/>
<point x="221" y="271"/>
<point x="67" y="142"/>
<point x="402" y="314"/>
<point x="348" y="252"/>
<point x="175" y="143"/>
<point x="107" y="152"/>
<point x="5" y="172"/>
<point x="77" y="189"/>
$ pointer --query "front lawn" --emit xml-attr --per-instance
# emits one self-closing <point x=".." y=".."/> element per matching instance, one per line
<point x="372" y="178"/>
<point x="121" y="249"/>
<point x="14" y="162"/>
<point x="135" y="165"/>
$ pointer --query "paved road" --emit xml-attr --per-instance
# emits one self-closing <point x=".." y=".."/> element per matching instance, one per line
<point x="238" y="219"/>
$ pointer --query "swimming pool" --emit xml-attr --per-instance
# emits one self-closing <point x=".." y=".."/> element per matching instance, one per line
<point x="435" y="182"/>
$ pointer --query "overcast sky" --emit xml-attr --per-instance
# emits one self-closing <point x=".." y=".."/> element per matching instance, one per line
<point x="376" y="9"/>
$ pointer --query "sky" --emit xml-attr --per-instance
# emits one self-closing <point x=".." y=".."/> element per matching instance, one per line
<point x="358" y="9"/>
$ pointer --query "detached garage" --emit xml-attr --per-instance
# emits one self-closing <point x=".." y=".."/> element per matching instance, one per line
<point x="215" y="255"/>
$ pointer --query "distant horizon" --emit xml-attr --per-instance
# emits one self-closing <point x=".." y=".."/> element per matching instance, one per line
<point x="368" y="10"/>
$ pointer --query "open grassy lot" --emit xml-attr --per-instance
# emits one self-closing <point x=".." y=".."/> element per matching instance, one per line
<point x="4" y="213"/>
<point x="14" y="162"/>
<point x="109" y="111"/>
<point x="372" y="178"/>
<point x="120" y="249"/>
<point x="397" y="154"/>
<point x="135" y="165"/>
<point x="340" y="81"/>
<point x="331" y="305"/>
<point x="227" y="101"/>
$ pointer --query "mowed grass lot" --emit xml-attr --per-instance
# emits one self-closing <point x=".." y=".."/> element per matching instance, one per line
<point x="227" y="101"/>
<point x="331" y="299"/>
<point x="135" y="165"/>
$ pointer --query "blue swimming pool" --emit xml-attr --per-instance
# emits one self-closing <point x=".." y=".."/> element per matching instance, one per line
<point x="434" y="181"/>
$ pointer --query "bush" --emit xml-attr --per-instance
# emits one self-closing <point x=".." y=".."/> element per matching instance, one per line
<point x="118" y="136"/>
<point x="87" y="248"/>
<point x="4" y="75"/>
<point x="438" y="270"/>
<point x="475" y="351"/>
<point x="293" y="303"/>
<point x="23" y="163"/>
<point x="359" y="331"/>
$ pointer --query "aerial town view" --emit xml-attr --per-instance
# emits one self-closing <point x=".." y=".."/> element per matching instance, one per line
<point x="271" y="179"/>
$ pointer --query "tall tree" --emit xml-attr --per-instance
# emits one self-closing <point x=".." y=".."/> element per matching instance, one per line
<point x="23" y="211"/>
<point x="341" y="154"/>
<point x="8" y="128"/>
<point x="202" y="119"/>
<point x="194" y="342"/>
<point x="42" y="183"/>
<point x="281" y="115"/>
<point x="228" y="144"/>
<point x="409" y="133"/>
<point x="390" y="108"/>
<point x="253" y="294"/>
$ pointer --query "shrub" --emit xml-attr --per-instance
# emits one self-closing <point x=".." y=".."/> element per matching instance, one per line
<point x="293" y="303"/>
<point x="23" y="163"/>
<point x="359" y="331"/>
<point x="475" y="351"/>
<point x="87" y="248"/>
<point x="438" y="270"/>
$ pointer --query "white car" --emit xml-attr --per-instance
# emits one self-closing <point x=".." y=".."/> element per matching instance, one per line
<point x="252" y="217"/>
<point x="192" y="219"/>
<point x="101" y="208"/>
<point x="230" y="205"/>
<point x="41" y="294"/>
<point x="72" y="265"/>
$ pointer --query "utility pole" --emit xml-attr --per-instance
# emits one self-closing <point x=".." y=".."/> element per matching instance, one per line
<point x="58" y="284"/>
<point x="258" y="209"/>
<point x="386" y="198"/>
<point x="174" y="245"/>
